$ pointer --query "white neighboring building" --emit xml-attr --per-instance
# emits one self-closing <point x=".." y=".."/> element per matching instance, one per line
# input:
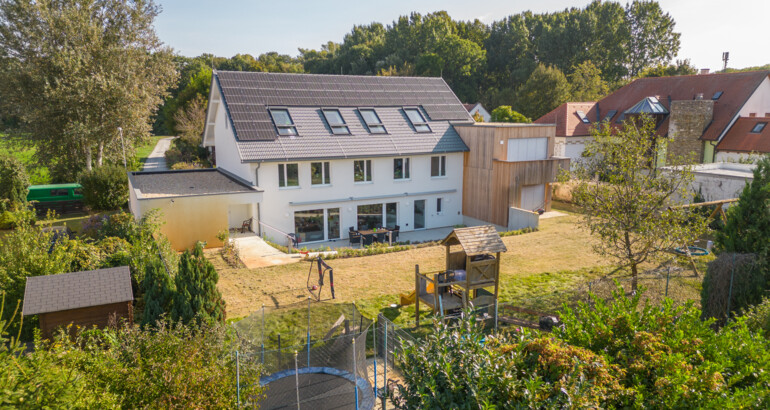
<point x="477" y="108"/>
<point x="330" y="152"/>
<point x="720" y="180"/>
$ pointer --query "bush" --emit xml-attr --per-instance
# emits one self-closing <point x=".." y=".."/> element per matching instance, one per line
<point x="505" y="113"/>
<point x="187" y="151"/>
<point x="14" y="181"/>
<point x="105" y="188"/>
<point x="13" y="218"/>
<point x="750" y="281"/>
<point x="197" y="299"/>
<point x="747" y="229"/>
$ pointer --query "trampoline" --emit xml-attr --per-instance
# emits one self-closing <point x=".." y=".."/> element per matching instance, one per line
<point x="322" y="388"/>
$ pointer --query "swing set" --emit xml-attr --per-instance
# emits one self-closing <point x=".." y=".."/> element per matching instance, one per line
<point x="323" y="269"/>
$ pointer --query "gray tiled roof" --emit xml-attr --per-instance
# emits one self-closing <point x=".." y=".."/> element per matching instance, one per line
<point x="315" y="140"/>
<point x="53" y="293"/>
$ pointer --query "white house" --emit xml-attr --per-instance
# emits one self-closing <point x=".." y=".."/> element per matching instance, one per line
<point x="330" y="152"/>
<point x="479" y="109"/>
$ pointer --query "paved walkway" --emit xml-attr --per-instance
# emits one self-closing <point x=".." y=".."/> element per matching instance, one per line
<point x="156" y="161"/>
<point x="552" y="214"/>
<point x="256" y="253"/>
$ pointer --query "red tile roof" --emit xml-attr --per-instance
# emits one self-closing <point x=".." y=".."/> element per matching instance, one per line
<point x="736" y="88"/>
<point x="741" y="139"/>
<point x="469" y="107"/>
<point x="568" y="123"/>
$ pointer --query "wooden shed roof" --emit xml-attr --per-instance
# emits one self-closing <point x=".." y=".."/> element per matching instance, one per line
<point x="53" y="293"/>
<point x="476" y="240"/>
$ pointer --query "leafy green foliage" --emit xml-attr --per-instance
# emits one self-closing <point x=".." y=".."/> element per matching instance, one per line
<point x="15" y="215"/>
<point x="188" y="150"/>
<point x="747" y="229"/>
<point x="158" y="293"/>
<point x="73" y="72"/>
<point x="632" y="211"/>
<point x="586" y="83"/>
<point x="545" y="89"/>
<point x="105" y="188"/>
<point x="682" y="67"/>
<point x="13" y="180"/>
<point x="197" y="298"/>
<point x="505" y="113"/>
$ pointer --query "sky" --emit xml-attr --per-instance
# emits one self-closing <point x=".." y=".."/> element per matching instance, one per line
<point x="228" y="27"/>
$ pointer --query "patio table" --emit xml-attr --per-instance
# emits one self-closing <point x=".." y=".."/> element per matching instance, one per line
<point x="369" y="235"/>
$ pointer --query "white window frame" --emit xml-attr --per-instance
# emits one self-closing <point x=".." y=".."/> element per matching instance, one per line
<point x="326" y="179"/>
<point x="441" y="166"/>
<point x="406" y="169"/>
<point x="367" y="174"/>
<point x="283" y="168"/>
<point x="439" y="206"/>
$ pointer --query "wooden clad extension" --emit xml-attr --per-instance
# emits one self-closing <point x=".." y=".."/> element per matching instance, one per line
<point x="491" y="183"/>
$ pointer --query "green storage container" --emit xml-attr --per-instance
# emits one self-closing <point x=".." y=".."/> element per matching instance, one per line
<point x="62" y="198"/>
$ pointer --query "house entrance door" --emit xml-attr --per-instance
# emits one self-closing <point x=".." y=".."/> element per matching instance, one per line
<point x="419" y="214"/>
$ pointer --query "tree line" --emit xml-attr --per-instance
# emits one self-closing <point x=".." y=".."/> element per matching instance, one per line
<point x="531" y="62"/>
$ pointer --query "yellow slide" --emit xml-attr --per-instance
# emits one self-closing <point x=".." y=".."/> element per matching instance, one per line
<point x="407" y="299"/>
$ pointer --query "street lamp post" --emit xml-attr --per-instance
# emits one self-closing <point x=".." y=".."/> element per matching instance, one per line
<point x="123" y="145"/>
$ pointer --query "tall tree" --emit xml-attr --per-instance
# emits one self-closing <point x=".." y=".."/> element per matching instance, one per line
<point x="197" y="297"/>
<point x="652" y="40"/>
<point x="545" y="89"/>
<point x="681" y="67"/>
<point x="586" y="83"/>
<point x="14" y="181"/>
<point x="632" y="211"/>
<point x="747" y="229"/>
<point x="158" y="293"/>
<point x="504" y="113"/>
<point x="74" y="71"/>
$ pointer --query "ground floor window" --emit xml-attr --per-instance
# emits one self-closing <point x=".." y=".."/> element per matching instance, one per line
<point x="372" y="216"/>
<point x="317" y="224"/>
<point x="309" y="225"/>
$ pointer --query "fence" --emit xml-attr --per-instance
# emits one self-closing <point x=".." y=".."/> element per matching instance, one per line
<point x="389" y="341"/>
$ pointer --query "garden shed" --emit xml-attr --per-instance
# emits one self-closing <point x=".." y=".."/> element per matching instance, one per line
<point x="87" y="298"/>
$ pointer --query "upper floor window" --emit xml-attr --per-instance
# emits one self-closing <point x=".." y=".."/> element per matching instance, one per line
<point x="288" y="175"/>
<point x="362" y="170"/>
<point x="283" y="121"/>
<point x="417" y="120"/>
<point x="319" y="173"/>
<point x="401" y="168"/>
<point x="758" y="127"/>
<point x="335" y="121"/>
<point x="372" y="121"/>
<point x="438" y="166"/>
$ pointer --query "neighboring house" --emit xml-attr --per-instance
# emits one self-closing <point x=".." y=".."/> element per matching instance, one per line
<point x="89" y="298"/>
<point x="711" y="116"/>
<point x="477" y="108"/>
<point x="331" y="152"/>
<point x="509" y="169"/>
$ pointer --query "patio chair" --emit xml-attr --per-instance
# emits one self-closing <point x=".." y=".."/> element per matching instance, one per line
<point x="355" y="238"/>
<point x="351" y="229"/>
<point x="366" y="240"/>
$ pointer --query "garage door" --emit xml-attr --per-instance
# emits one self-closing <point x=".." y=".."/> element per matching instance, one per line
<point x="533" y="197"/>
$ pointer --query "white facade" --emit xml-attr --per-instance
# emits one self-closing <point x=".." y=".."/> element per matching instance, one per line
<point x="478" y="108"/>
<point x="572" y="148"/>
<point x="720" y="180"/>
<point x="279" y="205"/>
<point x="739" y="157"/>
<point x="759" y="102"/>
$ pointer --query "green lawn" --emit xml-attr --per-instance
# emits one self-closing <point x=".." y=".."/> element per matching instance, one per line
<point x="39" y="174"/>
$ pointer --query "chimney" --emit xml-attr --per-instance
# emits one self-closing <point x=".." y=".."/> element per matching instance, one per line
<point x="704" y="70"/>
<point x="699" y="96"/>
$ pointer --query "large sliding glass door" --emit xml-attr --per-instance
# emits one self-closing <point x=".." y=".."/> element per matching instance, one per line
<point x="372" y="216"/>
<point x="310" y="225"/>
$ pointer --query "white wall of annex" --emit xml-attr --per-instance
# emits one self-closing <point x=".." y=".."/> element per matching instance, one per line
<point x="759" y="102"/>
<point x="227" y="156"/>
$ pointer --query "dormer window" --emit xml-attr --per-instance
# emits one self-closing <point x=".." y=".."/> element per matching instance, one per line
<point x="417" y="120"/>
<point x="372" y="120"/>
<point x="335" y="121"/>
<point x="610" y="114"/>
<point x="583" y="117"/>
<point x="758" y="127"/>
<point x="283" y="121"/>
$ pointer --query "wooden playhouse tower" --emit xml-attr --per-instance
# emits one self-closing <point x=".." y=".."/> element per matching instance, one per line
<point x="472" y="272"/>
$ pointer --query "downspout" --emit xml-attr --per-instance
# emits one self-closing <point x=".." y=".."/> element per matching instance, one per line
<point x="256" y="174"/>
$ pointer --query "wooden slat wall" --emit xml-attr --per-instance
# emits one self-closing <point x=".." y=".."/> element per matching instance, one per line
<point x="84" y="317"/>
<point x="490" y="184"/>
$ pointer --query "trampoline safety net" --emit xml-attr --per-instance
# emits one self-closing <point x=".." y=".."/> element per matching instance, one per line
<point x="308" y="354"/>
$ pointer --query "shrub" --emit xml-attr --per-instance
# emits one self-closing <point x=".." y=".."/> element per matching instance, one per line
<point x="14" y="181"/>
<point x="11" y="218"/>
<point x="505" y="113"/>
<point x="187" y="150"/>
<point x="116" y="251"/>
<point x="230" y="252"/>
<point x="105" y="188"/>
<point x="197" y="298"/>
<point x="747" y="229"/>
<point x="158" y="293"/>
<point x="749" y="284"/>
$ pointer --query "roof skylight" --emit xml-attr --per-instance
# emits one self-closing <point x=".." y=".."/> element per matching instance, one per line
<point x="610" y="114"/>
<point x="335" y="121"/>
<point x="417" y="120"/>
<point x="717" y="95"/>
<point x="583" y="117"/>
<point x="372" y="120"/>
<point x="758" y="127"/>
<point x="283" y="121"/>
